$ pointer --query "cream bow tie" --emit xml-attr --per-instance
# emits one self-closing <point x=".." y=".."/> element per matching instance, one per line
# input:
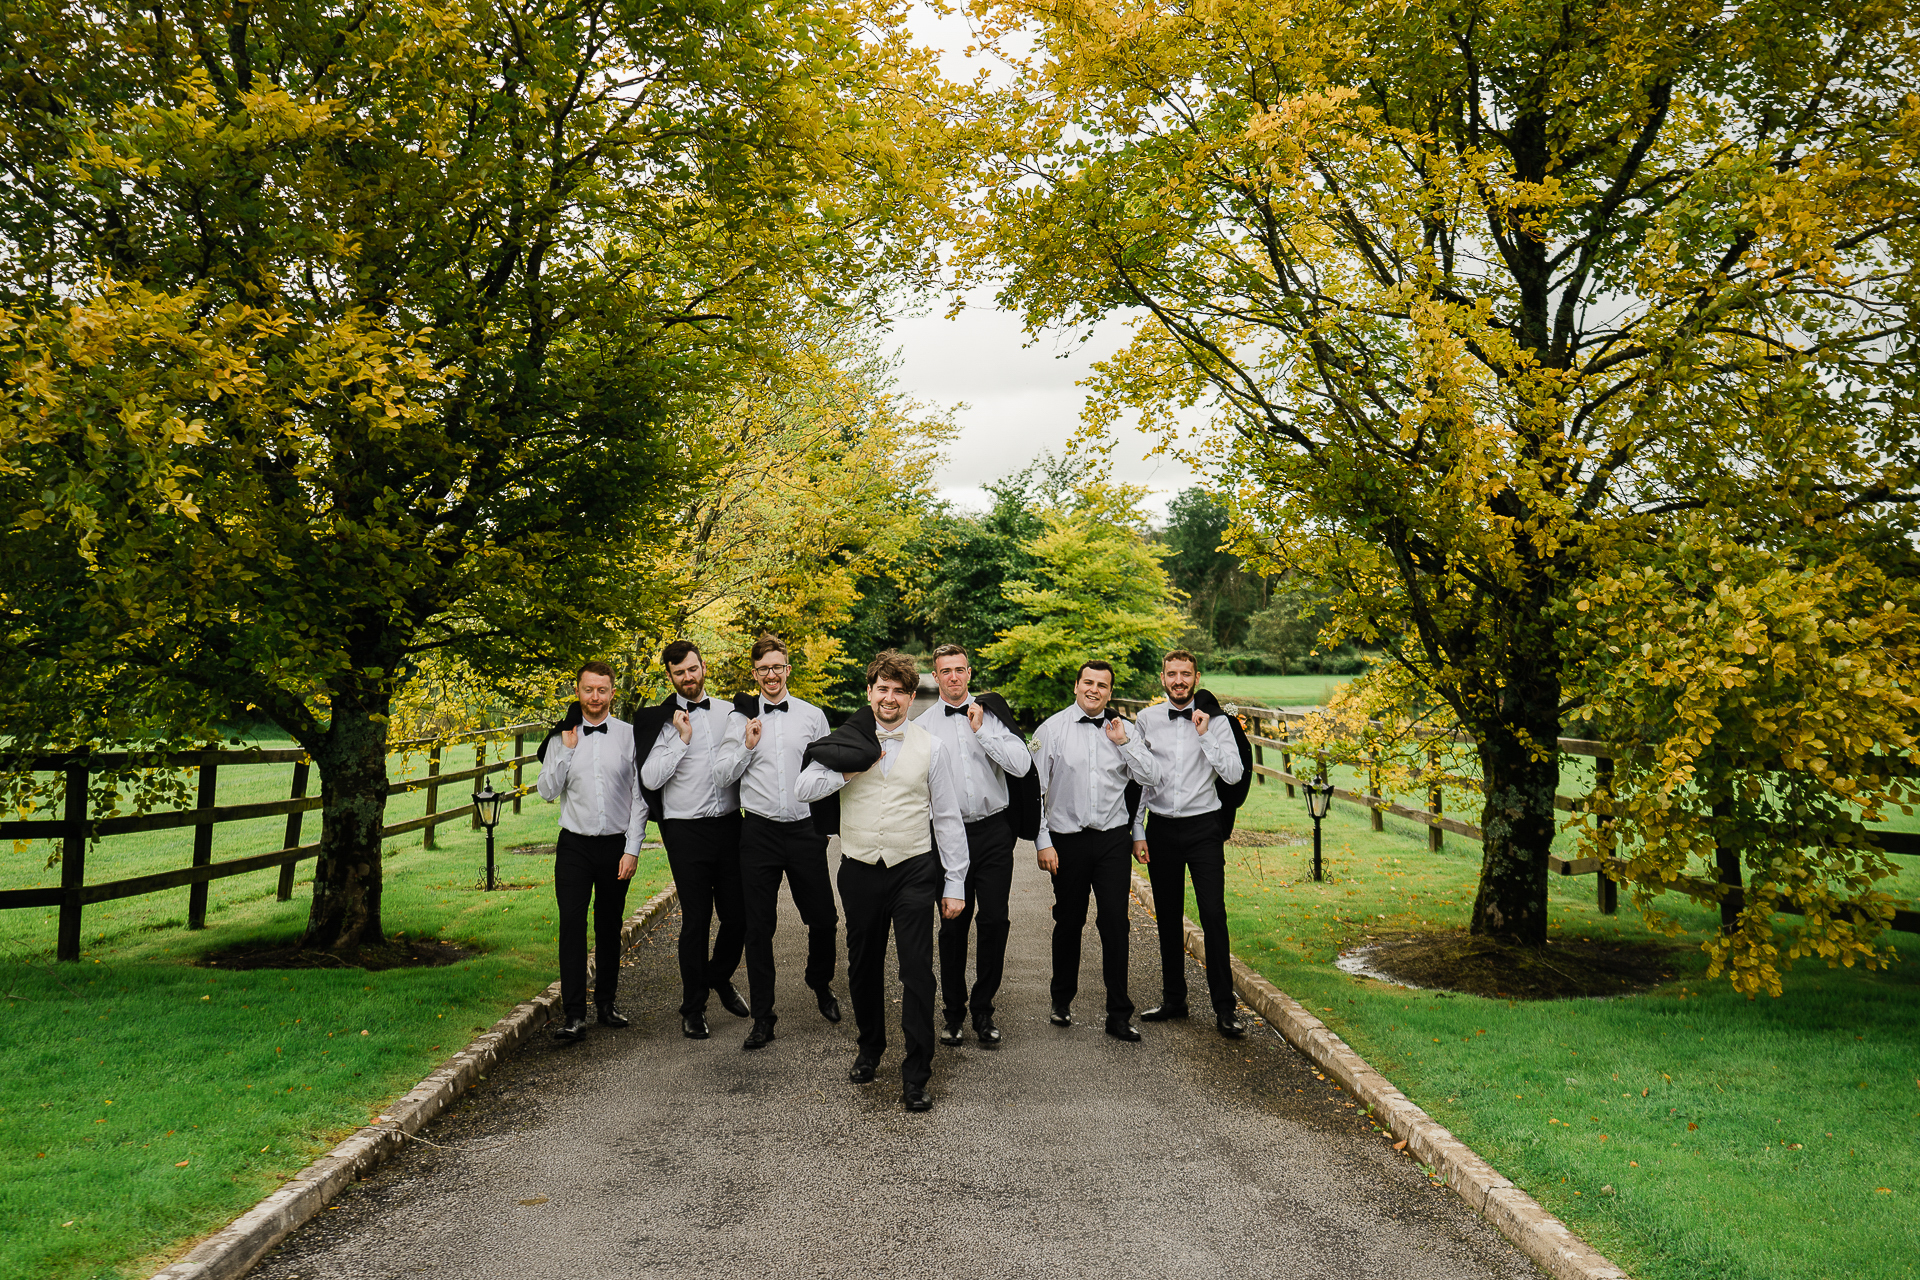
<point x="896" y="736"/>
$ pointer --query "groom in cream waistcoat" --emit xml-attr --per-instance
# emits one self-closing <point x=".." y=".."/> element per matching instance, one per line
<point x="903" y="848"/>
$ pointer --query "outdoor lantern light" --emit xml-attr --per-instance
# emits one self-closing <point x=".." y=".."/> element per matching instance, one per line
<point x="486" y="807"/>
<point x="1319" y="796"/>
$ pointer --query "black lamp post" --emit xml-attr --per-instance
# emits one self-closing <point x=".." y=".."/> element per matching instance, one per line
<point x="1319" y="796"/>
<point x="486" y="805"/>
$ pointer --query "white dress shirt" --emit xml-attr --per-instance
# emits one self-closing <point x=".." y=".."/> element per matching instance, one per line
<point x="1188" y="762"/>
<point x="981" y="760"/>
<point x="817" y="782"/>
<point x="1083" y="776"/>
<point x="685" y="773"/>
<point x="594" y="784"/>
<point x="767" y="773"/>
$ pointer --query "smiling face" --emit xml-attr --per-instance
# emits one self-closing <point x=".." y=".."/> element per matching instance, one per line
<point x="595" y="692"/>
<point x="689" y="677"/>
<point x="1178" y="678"/>
<point x="770" y="673"/>
<point x="952" y="673"/>
<point x="890" y="701"/>
<point x="1092" y="690"/>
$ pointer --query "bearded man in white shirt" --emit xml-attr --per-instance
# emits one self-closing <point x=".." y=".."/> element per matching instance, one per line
<point x="588" y="766"/>
<point x="1091" y="770"/>
<point x="896" y="808"/>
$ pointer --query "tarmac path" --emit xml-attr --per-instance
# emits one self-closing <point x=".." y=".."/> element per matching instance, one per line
<point x="1062" y="1153"/>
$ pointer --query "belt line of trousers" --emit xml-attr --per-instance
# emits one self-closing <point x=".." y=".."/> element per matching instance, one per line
<point x="990" y="843"/>
<point x="1095" y="862"/>
<point x="902" y="898"/>
<point x="1175" y="848"/>
<point x="704" y="854"/>
<point x="770" y="849"/>
<point x="586" y="869"/>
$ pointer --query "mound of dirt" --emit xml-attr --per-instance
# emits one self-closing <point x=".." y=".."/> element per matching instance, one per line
<point x="1564" y="969"/>
<point x="395" y="953"/>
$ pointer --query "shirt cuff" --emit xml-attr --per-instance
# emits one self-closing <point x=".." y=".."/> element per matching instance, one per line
<point x="955" y="888"/>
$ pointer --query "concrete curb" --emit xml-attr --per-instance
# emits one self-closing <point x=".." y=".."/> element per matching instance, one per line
<point x="1517" y="1215"/>
<point x="231" y="1251"/>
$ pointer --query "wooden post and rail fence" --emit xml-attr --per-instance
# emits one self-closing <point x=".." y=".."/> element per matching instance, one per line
<point x="74" y="829"/>
<point x="1267" y="729"/>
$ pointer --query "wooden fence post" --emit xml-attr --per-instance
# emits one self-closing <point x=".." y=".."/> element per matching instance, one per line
<point x="433" y="796"/>
<point x="202" y="842"/>
<point x="479" y="762"/>
<point x="73" y="861"/>
<point x="1607" y="891"/>
<point x="1379" y="819"/>
<point x="1286" y="758"/>
<point x="292" y="841"/>
<point x="1435" y="797"/>
<point x="519" y="749"/>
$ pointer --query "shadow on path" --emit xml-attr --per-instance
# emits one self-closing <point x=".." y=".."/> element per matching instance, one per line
<point x="1063" y="1153"/>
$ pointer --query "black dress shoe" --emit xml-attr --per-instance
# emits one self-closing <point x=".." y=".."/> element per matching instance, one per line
<point x="761" y="1035"/>
<point x="1228" y="1020"/>
<point x="570" y="1030"/>
<point x="861" y="1072"/>
<point x="1121" y="1029"/>
<point x="612" y="1017"/>
<point x="730" y="1001"/>
<point x="950" y="1034"/>
<point x="829" y="1004"/>
<point x="1164" y="1013"/>
<point x="916" y="1098"/>
<point x="693" y="1026"/>
<point x="1060" y="1017"/>
<point x="988" y="1034"/>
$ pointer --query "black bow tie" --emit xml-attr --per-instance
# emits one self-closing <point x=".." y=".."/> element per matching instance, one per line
<point x="1180" y="713"/>
<point x="773" y="706"/>
<point x="956" y="711"/>
<point x="594" y="728"/>
<point x="701" y="705"/>
<point x="1101" y="720"/>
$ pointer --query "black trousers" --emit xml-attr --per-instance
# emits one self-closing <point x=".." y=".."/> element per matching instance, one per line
<point x="902" y="897"/>
<point x="770" y="849"/>
<point x="704" y="854"/>
<point x="1175" y="847"/>
<point x="587" y="868"/>
<point x="989" y="885"/>
<point x="1093" y="861"/>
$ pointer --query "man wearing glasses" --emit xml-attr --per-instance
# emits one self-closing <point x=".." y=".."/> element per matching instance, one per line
<point x="765" y="737"/>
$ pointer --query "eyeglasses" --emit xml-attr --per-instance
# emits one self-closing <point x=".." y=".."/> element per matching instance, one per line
<point x="772" y="671"/>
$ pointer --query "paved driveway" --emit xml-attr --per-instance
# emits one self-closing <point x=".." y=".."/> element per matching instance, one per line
<point x="1063" y="1153"/>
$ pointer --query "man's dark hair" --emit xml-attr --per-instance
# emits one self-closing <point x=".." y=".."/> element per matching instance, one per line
<point x="1095" y="664"/>
<point x="676" y="653"/>
<point x="1180" y="655"/>
<point x="766" y="644"/>
<point x="895" y="666"/>
<point x="594" y="666"/>
<point x="950" y="651"/>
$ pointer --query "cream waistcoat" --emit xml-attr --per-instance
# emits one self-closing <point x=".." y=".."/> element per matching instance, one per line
<point x="889" y="818"/>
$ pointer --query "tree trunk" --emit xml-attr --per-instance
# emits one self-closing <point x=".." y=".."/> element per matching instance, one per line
<point x="1520" y="765"/>
<point x="352" y="755"/>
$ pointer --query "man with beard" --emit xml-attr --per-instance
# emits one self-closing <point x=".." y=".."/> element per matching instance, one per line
<point x="1091" y="770"/>
<point x="1202" y="757"/>
<point x="896" y="806"/>
<point x="699" y="817"/>
<point x="767" y="736"/>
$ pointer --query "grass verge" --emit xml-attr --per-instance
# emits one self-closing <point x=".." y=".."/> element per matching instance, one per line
<point x="145" y="1102"/>
<point x="1687" y="1133"/>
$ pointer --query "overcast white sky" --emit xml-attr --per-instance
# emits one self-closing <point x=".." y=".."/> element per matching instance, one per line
<point x="1021" y="399"/>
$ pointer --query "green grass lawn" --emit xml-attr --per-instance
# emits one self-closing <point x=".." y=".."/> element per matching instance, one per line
<point x="1275" y="691"/>
<point x="145" y="1102"/>
<point x="1685" y="1133"/>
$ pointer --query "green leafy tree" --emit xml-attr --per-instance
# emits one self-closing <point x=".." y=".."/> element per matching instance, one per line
<point x="1099" y="590"/>
<point x="338" y="335"/>
<point x="1221" y="594"/>
<point x="1503" y="305"/>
